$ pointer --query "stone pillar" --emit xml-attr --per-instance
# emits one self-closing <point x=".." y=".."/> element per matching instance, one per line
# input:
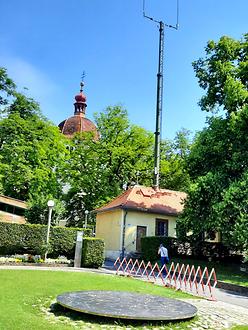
<point x="78" y="249"/>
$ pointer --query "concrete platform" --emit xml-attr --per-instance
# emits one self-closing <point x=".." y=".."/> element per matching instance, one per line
<point x="127" y="305"/>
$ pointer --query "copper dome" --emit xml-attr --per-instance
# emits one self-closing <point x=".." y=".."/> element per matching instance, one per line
<point x="78" y="123"/>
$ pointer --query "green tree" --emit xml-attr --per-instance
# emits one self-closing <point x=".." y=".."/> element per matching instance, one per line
<point x="7" y="86"/>
<point x="126" y="148"/>
<point x="218" y="161"/>
<point x="223" y="74"/>
<point x="31" y="151"/>
<point x="174" y="154"/>
<point x="101" y="167"/>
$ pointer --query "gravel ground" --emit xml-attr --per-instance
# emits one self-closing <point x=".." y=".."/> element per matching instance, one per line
<point x="218" y="315"/>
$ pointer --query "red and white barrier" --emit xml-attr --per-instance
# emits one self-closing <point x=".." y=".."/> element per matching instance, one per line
<point x="181" y="277"/>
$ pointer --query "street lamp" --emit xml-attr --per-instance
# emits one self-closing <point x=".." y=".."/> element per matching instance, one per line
<point x="50" y="205"/>
<point x="86" y="212"/>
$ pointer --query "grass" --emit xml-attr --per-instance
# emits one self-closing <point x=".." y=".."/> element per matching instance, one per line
<point x="27" y="300"/>
<point x="240" y="327"/>
<point x="225" y="272"/>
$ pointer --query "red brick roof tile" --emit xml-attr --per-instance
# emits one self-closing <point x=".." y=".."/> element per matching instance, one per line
<point x="147" y="199"/>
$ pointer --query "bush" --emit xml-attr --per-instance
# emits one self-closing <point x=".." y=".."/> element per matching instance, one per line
<point x="202" y="250"/>
<point x="93" y="252"/>
<point x="150" y="245"/>
<point x="16" y="238"/>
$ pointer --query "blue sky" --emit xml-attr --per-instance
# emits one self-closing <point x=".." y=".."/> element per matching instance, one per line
<point x="46" y="45"/>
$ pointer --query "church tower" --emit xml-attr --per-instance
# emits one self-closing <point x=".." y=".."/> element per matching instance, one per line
<point x="78" y="123"/>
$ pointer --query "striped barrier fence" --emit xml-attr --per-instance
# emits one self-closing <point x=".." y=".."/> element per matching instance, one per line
<point x="181" y="277"/>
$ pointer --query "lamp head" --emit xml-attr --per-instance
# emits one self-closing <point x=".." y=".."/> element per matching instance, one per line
<point x="50" y="203"/>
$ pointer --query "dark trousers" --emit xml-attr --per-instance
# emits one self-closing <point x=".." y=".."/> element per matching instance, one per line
<point x="163" y="262"/>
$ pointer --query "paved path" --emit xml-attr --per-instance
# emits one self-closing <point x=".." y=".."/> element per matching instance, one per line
<point x="232" y="297"/>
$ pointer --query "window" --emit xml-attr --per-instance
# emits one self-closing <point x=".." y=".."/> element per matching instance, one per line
<point x="11" y="209"/>
<point x="161" y="227"/>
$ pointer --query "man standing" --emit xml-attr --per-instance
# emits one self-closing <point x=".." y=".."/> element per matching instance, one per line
<point x="164" y="257"/>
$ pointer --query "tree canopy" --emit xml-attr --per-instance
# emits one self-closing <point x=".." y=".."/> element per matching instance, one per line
<point x="223" y="74"/>
<point x="7" y="86"/>
<point x="31" y="150"/>
<point x="218" y="161"/>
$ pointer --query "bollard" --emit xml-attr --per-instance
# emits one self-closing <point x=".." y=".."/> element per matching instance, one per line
<point x="78" y="249"/>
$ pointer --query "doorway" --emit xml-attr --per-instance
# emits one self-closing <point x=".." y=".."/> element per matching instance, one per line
<point x="141" y="232"/>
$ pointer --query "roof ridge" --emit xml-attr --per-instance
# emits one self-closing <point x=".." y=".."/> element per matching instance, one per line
<point x="142" y="197"/>
<point x="125" y="192"/>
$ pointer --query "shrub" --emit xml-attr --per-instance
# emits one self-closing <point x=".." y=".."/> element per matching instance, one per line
<point x="200" y="249"/>
<point x="150" y="245"/>
<point x="16" y="238"/>
<point x="93" y="252"/>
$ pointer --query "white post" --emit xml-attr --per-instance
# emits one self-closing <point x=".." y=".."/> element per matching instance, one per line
<point x="78" y="249"/>
<point x="50" y="205"/>
<point x="86" y="212"/>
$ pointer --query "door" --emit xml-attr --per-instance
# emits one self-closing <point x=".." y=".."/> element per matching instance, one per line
<point x="141" y="232"/>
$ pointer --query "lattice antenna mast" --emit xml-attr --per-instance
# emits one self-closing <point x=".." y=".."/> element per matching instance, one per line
<point x="159" y="103"/>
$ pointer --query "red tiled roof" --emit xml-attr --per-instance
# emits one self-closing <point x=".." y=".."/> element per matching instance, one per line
<point x="147" y="199"/>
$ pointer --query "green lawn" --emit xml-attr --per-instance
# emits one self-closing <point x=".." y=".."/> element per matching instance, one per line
<point x="225" y="272"/>
<point x="26" y="297"/>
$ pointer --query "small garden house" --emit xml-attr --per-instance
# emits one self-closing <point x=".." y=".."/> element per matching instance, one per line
<point x="137" y="212"/>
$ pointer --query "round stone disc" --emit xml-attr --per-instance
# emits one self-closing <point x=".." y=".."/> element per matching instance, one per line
<point x="127" y="305"/>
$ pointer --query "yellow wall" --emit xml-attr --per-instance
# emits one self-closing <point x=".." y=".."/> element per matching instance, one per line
<point x="109" y="226"/>
<point x="148" y="220"/>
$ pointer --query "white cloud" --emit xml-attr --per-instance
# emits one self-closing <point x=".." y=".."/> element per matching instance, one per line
<point x="40" y="86"/>
<point x="26" y="75"/>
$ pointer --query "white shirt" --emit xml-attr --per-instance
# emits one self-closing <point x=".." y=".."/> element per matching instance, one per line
<point x="163" y="251"/>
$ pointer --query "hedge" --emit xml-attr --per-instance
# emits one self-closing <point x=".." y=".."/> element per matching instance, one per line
<point x="27" y="238"/>
<point x="150" y="245"/>
<point x="93" y="252"/>
<point x="201" y="249"/>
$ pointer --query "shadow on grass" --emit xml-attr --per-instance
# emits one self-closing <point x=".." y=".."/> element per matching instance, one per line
<point x="74" y="316"/>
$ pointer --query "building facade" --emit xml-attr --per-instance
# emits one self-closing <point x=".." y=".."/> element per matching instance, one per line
<point x="12" y="210"/>
<point x="139" y="211"/>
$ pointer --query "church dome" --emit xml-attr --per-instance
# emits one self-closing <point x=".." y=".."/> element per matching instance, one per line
<point x="78" y="123"/>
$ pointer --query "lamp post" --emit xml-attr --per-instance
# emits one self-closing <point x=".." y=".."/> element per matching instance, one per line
<point x="86" y="212"/>
<point x="50" y="205"/>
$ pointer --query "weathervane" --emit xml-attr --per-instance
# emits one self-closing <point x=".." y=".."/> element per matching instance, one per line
<point x="159" y="103"/>
<point x="83" y="76"/>
<point x="82" y="81"/>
